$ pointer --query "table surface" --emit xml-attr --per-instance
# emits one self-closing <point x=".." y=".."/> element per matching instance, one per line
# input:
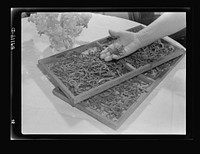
<point x="162" y="112"/>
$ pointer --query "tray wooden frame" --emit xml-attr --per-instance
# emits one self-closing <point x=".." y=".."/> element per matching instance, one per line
<point x="115" y="125"/>
<point x="85" y="95"/>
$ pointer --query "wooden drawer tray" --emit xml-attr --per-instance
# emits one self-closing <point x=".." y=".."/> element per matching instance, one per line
<point x="81" y="74"/>
<point x="114" y="105"/>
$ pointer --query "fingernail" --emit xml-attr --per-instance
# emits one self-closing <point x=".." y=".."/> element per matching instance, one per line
<point x="108" y="58"/>
<point x="102" y="56"/>
<point x="103" y="51"/>
<point x="115" y="56"/>
<point x="108" y="54"/>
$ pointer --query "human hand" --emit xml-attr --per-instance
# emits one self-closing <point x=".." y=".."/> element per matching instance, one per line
<point x="125" y="44"/>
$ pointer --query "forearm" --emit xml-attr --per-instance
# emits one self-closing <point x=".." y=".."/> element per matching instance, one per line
<point x="165" y="25"/>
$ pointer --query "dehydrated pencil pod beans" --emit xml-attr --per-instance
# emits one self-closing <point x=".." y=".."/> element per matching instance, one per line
<point x="80" y="72"/>
<point x="150" y="53"/>
<point x="157" y="72"/>
<point x="114" y="102"/>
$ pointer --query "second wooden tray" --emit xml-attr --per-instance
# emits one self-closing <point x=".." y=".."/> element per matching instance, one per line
<point x="114" y="105"/>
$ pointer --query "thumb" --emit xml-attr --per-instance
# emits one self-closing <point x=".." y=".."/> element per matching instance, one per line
<point x="114" y="33"/>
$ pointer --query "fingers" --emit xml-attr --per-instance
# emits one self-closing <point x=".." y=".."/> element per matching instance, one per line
<point x="116" y="57"/>
<point x="117" y="50"/>
<point x="106" y="52"/>
<point x="111" y="52"/>
<point x="110" y="57"/>
<point x="103" y="55"/>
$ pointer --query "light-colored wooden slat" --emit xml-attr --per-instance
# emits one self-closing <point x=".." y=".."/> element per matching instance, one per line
<point x="158" y="80"/>
<point x="57" y="92"/>
<point x="145" y="79"/>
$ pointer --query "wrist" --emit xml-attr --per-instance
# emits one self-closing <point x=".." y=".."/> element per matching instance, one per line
<point x="143" y="39"/>
<point x="147" y="36"/>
